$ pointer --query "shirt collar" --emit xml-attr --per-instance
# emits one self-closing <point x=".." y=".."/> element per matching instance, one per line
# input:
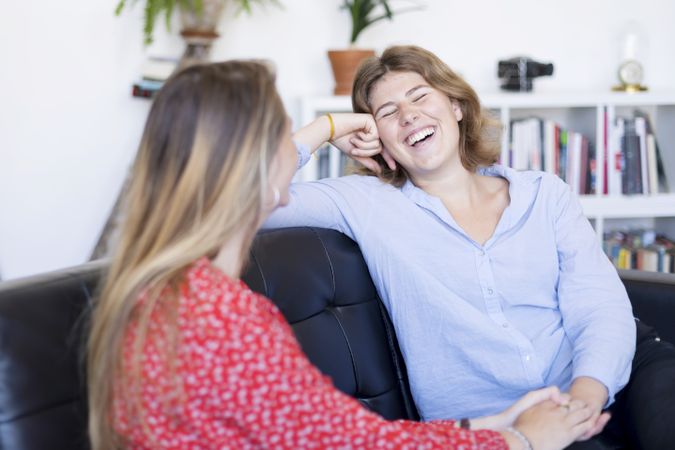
<point x="523" y="189"/>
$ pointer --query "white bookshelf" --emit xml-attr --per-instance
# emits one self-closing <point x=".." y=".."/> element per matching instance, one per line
<point x="583" y="112"/>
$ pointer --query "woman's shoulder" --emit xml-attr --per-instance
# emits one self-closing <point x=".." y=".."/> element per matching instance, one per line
<point x="356" y="179"/>
<point x="526" y="177"/>
<point x="352" y="188"/>
<point x="209" y="292"/>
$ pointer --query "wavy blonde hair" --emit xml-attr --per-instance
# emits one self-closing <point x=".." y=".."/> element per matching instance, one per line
<point x="199" y="177"/>
<point x="479" y="133"/>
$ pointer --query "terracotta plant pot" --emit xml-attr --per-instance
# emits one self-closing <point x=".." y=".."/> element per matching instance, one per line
<point x="344" y="64"/>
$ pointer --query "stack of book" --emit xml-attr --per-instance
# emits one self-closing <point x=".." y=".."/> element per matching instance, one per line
<point x="633" y="164"/>
<point x="640" y="250"/>
<point x="154" y="73"/>
<point x="146" y="88"/>
<point x="538" y="144"/>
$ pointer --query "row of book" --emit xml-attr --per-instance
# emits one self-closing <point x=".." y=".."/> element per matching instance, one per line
<point x="640" y="250"/>
<point x="539" y="144"/>
<point x="633" y="164"/>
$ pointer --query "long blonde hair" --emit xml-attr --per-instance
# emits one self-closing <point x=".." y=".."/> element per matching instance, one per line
<point x="479" y="133"/>
<point x="199" y="177"/>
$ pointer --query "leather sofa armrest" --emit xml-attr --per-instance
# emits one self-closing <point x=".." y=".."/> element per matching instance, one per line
<point x="652" y="295"/>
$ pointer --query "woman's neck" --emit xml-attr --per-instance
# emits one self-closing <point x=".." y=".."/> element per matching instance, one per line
<point x="229" y="259"/>
<point x="454" y="183"/>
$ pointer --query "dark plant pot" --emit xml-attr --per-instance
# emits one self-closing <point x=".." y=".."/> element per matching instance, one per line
<point x="344" y="64"/>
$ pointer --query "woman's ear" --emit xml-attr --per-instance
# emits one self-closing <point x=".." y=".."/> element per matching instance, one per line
<point x="457" y="110"/>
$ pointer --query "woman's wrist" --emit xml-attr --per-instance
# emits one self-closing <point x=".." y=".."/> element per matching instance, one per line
<point x="590" y="390"/>
<point x="331" y="127"/>
<point x="316" y="133"/>
<point x="516" y="440"/>
<point x="497" y="422"/>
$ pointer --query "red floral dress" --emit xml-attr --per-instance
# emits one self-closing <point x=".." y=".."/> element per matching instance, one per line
<point x="246" y="384"/>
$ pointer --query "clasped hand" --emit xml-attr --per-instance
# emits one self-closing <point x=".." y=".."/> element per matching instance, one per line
<point x="356" y="136"/>
<point x="550" y="419"/>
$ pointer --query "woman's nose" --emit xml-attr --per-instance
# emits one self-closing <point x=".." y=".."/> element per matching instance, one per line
<point x="408" y="115"/>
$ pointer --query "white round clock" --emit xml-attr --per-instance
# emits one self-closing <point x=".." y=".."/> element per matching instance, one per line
<point x="630" y="72"/>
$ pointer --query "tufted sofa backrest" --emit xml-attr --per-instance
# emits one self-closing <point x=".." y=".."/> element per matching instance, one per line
<point x="321" y="284"/>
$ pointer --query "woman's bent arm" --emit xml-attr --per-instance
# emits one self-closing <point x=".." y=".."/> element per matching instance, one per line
<point x="596" y="312"/>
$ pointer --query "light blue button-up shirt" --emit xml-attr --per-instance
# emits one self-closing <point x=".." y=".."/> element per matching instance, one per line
<point x="538" y="304"/>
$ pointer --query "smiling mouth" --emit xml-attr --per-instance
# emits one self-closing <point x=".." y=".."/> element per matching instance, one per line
<point x="420" y="136"/>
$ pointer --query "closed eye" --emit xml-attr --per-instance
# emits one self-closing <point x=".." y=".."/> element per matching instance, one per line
<point x="419" y="97"/>
<point x="388" y="113"/>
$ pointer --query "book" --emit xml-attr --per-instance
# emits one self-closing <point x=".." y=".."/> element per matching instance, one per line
<point x="632" y="173"/>
<point x="641" y="131"/>
<point x="574" y="162"/>
<point x="662" y="182"/>
<point x="652" y="168"/>
<point x="592" y="170"/>
<point x="549" y="146"/>
<point x="158" y="68"/>
<point x="641" y="250"/>
<point x="584" y="167"/>
<point x="615" y="157"/>
<point x="146" y="88"/>
<point x="562" y="170"/>
<point x="608" y="121"/>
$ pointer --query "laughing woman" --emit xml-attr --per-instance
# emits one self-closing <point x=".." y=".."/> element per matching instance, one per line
<point x="493" y="278"/>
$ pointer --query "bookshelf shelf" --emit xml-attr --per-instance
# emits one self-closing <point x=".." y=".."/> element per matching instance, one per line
<point x="624" y="206"/>
<point x="583" y="111"/>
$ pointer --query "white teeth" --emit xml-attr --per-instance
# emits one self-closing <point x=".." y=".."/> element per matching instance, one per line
<point x="415" y="138"/>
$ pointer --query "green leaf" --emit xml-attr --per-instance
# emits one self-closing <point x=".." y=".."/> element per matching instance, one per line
<point x="387" y="10"/>
<point x="245" y="5"/>
<point x="154" y="8"/>
<point x="119" y="8"/>
<point x="362" y="13"/>
<point x="199" y="7"/>
<point x="170" y="4"/>
<point x="149" y="21"/>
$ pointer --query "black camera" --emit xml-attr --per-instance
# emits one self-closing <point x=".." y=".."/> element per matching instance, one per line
<point x="517" y="73"/>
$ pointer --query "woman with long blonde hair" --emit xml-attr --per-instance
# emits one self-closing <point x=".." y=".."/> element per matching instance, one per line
<point x="181" y="353"/>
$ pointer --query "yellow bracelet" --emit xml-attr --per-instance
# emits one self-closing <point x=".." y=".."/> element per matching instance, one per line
<point x="332" y="127"/>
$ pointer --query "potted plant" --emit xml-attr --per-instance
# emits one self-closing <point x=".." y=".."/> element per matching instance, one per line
<point x="363" y="13"/>
<point x="199" y="19"/>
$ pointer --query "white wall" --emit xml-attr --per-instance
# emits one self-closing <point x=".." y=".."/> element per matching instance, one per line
<point x="68" y="126"/>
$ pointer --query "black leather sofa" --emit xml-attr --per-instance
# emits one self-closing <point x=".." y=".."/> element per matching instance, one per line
<point x="317" y="278"/>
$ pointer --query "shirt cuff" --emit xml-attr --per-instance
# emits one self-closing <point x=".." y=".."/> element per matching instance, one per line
<point x="304" y="154"/>
<point x="609" y="379"/>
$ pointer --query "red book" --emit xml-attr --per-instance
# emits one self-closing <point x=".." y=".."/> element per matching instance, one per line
<point x="605" y="162"/>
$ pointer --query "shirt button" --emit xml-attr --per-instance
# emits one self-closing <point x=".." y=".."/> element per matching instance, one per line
<point x="505" y="325"/>
<point x="490" y="291"/>
<point x="527" y="357"/>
